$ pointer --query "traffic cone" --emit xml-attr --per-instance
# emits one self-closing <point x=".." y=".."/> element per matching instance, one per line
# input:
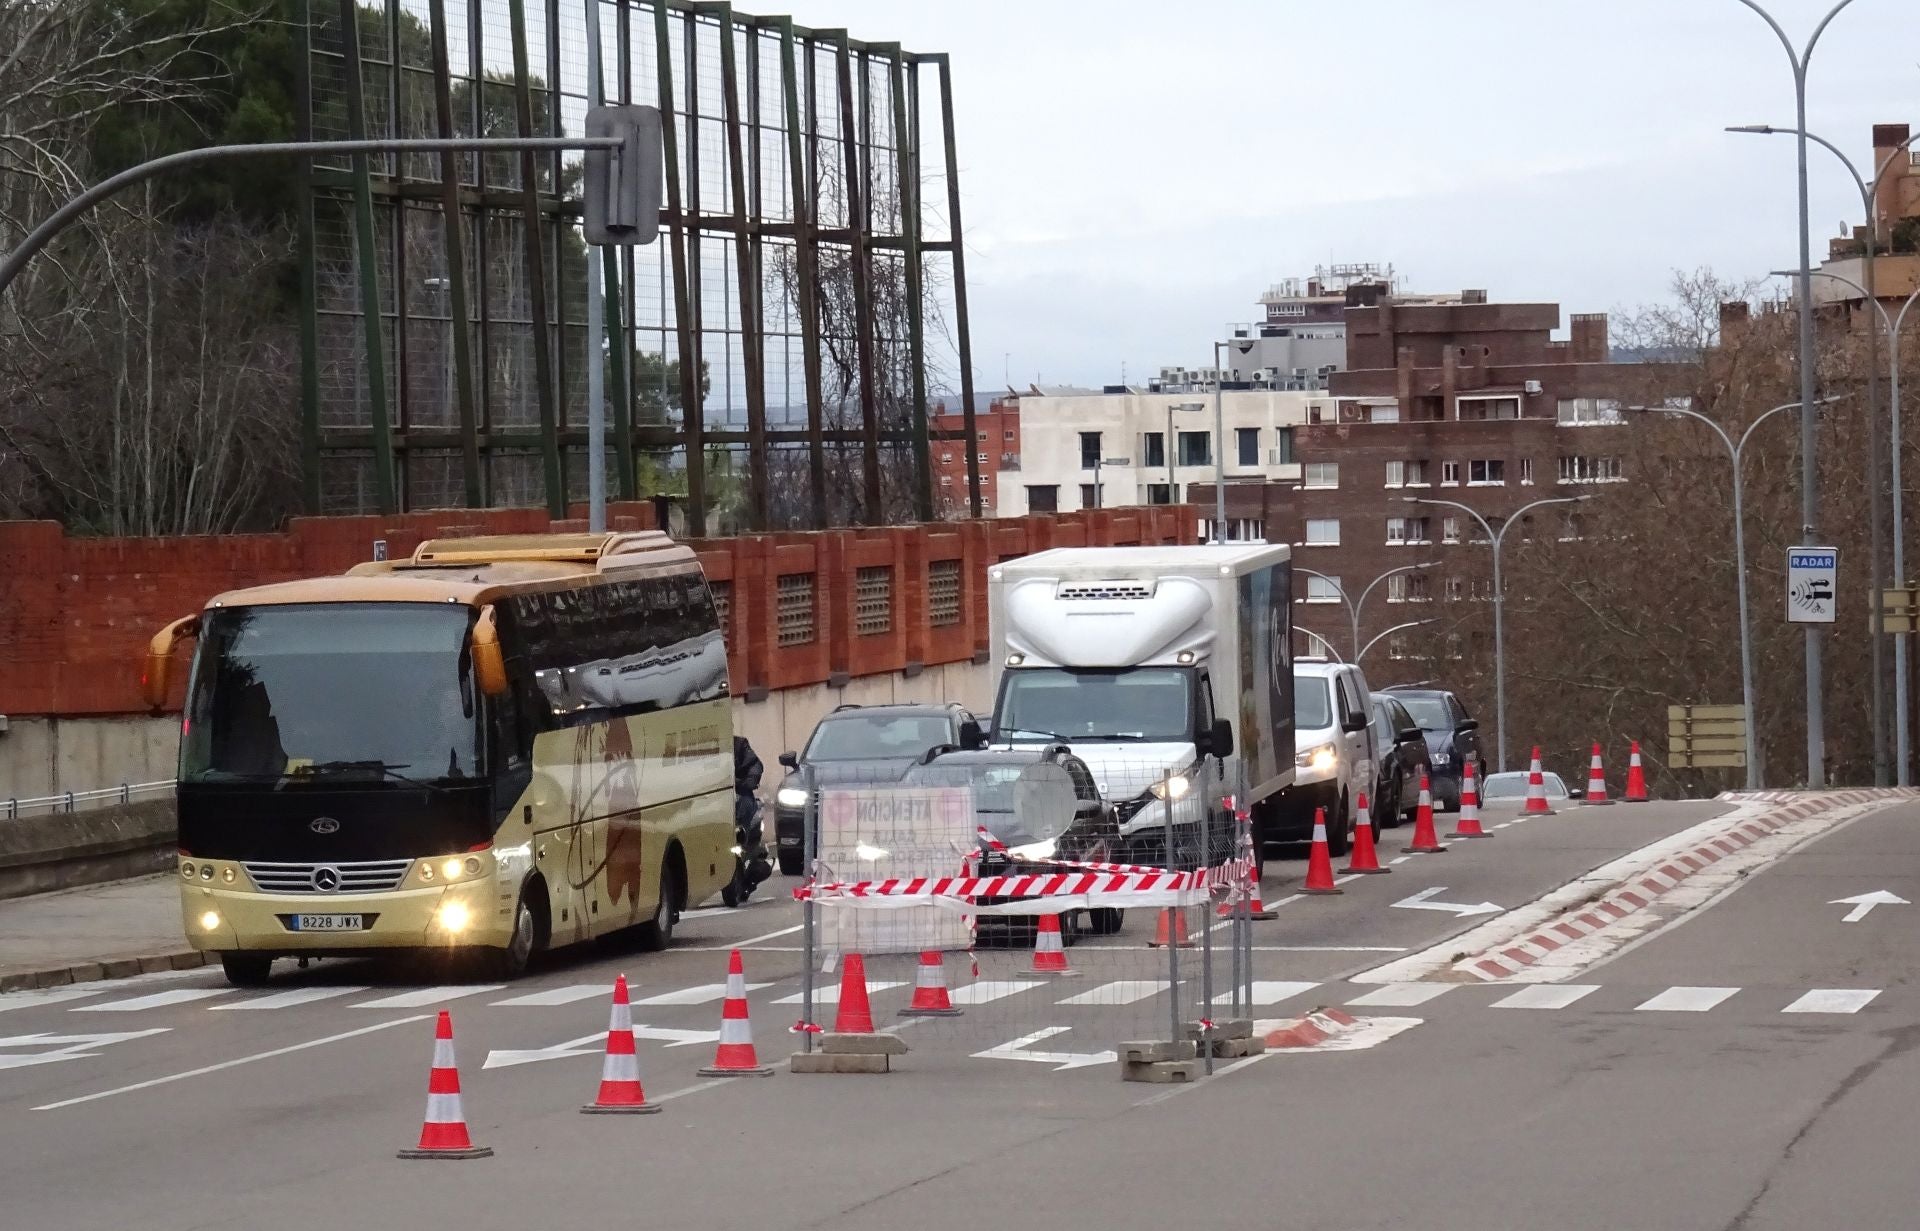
<point x="1171" y="930"/>
<point x="1536" y="789"/>
<point x="1365" y="858"/>
<point x="1636" y="778"/>
<point x="735" y="1057"/>
<point x="620" y="1091"/>
<point x="855" y="1014"/>
<point x="1049" y="951"/>
<point x="1425" y="840"/>
<point x="1319" y="862"/>
<point x="443" y="1134"/>
<point x="1468" y="826"/>
<point x="930" y="997"/>
<point x="1596" y="782"/>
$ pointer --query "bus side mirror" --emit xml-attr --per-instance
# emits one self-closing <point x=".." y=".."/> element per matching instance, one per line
<point x="489" y="663"/>
<point x="157" y="673"/>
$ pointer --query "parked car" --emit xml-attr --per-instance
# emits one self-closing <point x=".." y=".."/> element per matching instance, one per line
<point x="1333" y="754"/>
<point x="861" y="745"/>
<point x="1510" y="787"/>
<point x="1041" y="804"/>
<point x="1452" y="738"/>
<point x="1400" y="755"/>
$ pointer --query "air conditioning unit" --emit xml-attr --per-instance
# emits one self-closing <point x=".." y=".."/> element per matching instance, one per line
<point x="1533" y="387"/>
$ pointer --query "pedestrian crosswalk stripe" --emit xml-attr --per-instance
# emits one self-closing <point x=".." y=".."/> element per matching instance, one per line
<point x="1833" y="1000"/>
<point x="988" y="990"/>
<point x="830" y="993"/>
<point x="289" y="998"/>
<point x="1403" y="995"/>
<point x="36" y="998"/>
<point x="155" y="1000"/>
<point x="424" y="997"/>
<point x="1269" y="991"/>
<point x="1687" y="999"/>
<point x="557" y="995"/>
<point x="1547" y="996"/>
<point x="705" y="993"/>
<point x="1122" y="991"/>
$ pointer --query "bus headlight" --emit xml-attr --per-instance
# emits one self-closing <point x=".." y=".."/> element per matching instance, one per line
<point x="455" y="916"/>
<point x="1175" y="787"/>
<point x="426" y="872"/>
<point x="186" y="869"/>
<point x="473" y="866"/>
<point x="209" y="921"/>
<point x="206" y="871"/>
<point x="790" y="797"/>
<point x="451" y="868"/>
<point x="226" y="874"/>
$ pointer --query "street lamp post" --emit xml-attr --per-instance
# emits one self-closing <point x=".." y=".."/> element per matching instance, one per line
<point x="1220" y="442"/>
<point x="1353" y="606"/>
<point x="1388" y="632"/>
<point x="1755" y="775"/>
<point x="1499" y="598"/>
<point x="1809" y="410"/>
<point x="1173" y="480"/>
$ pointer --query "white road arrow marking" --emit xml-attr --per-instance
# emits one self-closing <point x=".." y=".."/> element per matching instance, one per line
<point x="63" y="1046"/>
<point x="594" y="1045"/>
<point x="1061" y="1060"/>
<point x="1863" y="904"/>
<point x="1422" y="901"/>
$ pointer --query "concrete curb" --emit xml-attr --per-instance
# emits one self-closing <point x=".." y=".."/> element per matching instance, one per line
<point x="91" y="972"/>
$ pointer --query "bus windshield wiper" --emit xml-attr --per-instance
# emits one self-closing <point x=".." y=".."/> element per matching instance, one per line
<point x="381" y="768"/>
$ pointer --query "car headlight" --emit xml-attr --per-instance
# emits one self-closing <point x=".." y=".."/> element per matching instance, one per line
<point x="1175" y="787"/>
<point x="1320" y="759"/>
<point x="1034" y="850"/>
<point x="790" y="797"/>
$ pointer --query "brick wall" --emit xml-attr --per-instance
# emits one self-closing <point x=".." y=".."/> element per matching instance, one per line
<point x="76" y="613"/>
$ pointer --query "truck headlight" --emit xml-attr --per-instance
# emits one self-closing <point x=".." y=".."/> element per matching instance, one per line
<point x="1175" y="787"/>
<point x="790" y="797"/>
<point x="1319" y="759"/>
<point x="1034" y="850"/>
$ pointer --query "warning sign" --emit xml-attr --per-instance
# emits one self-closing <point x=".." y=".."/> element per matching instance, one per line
<point x="890" y="833"/>
<point x="1813" y="575"/>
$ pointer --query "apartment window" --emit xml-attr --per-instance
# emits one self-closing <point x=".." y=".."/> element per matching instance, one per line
<point x="1406" y="474"/>
<point x="1380" y="414"/>
<point x="1453" y="646"/>
<point x="1159" y="493"/>
<point x="946" y="459"/>
<point x="1009" y="434"/>
<point x="1239" y="530"/>
<point x="1590" y="470"/>
<point x="1247" y="440"/>
<point x="1321" y="474"/>
<point x="1399" y="646"/>
<point x="1487" y="472"/>
<point x="1043" y="499"/>
<point x="946" y="480"/>
<point x="1156" y="449"/>
<point x="1396" y="474"/>
<point x="1450" y="529"/>
<point x="981" y="458"/>
<point x="1320" y="412"/>
<point x="982" y="436"/>
<point x="1449" y="474"/>
<point x="1089" y="450"/>
<point x="1323" y="532"/>
<point x="1526" y="471"/>
<point x="1456" y="589"/>
<point x="1408" y="588"/>
<point x="1571" y="527"/>
<point x="1195" y="449"/>
<point x="1283" y="446"/>
<point x="1090" y="495"/>
<point x="1403" y="530"/>
<point x="1482" y="409"/>
<point x="1589" y="412"/>
<point x="1323" y="589"/>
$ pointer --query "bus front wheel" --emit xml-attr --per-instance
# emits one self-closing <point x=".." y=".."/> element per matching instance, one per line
<point x="657" y="933"/>
<point x="246" y="969"/>
<point x="511" y="962"/>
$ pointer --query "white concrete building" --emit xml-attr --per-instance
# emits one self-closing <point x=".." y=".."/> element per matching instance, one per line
<point x="1109" y="449"/>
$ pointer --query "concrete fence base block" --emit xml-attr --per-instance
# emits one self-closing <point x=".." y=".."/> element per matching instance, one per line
<point x="838" y="1062"/>
<point x="862" y="1044"/>
<point x="1237" y="1049"/>
<point x="1157" y="1051"/>
<point x="1234" y="1028"/>
<point x="1163" y="1072"/>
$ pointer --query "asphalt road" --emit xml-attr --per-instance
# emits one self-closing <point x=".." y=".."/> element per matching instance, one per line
<point x="178" y="1103"/>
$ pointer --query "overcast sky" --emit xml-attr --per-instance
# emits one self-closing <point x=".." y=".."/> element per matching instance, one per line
<point x="1136" y="174"/>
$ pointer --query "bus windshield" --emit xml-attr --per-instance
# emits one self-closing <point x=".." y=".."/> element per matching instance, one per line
<point x="1148" y="704"/>
<point x="335" y="692"/>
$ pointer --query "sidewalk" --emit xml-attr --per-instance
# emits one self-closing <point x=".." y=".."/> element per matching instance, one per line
<point x="106" y="931"/>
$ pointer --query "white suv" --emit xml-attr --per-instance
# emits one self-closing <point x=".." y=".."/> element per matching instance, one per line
<point x="1333" y="761"/>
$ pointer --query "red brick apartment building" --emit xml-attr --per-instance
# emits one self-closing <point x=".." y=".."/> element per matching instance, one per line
<point x="1471" y="402"/>
<point x="996" y="441"/>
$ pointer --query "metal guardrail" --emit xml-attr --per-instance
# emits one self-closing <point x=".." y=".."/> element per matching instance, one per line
<point x="76" y="801"/>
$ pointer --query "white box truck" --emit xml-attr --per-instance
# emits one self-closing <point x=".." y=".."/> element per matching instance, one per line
<point x="1146" y="662"/>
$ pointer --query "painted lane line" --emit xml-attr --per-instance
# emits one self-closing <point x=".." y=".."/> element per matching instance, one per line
<point x="705" y="993"/>
<point x="1329" y="949"/>
<point x="153" y="1000"/>
<point x="45" y="996"/>
<point x="830" y="994"/>
<point x="1833" y="1000"/>
<point x="989" y="990"/>
<point x="1292" y="897"/>
<point x="1268" y="991"/>
<point x="1061" y="1060"/>
<point x="234" y="1064"/>
<point x="556" y="996"/>
<point x="1403" y="995"/>
<point x="422" y="997"/>
<point x="769" y="936"/>
<point x="1399" y="859"/>
<point x="1504" y="825"/>
<point x="1687" y="1000"/>
<point x="1547" y="996"/>
<point x="1122" y="991"/>
<point x="287" y="999"/>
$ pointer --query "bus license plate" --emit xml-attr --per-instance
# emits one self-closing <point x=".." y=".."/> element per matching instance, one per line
<point x="328" y="923"/>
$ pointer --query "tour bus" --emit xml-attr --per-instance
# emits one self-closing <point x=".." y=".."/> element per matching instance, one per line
<point x="499" y="745"/>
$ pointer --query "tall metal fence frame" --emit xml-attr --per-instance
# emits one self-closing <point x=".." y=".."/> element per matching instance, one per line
<point x="799" y="220"/>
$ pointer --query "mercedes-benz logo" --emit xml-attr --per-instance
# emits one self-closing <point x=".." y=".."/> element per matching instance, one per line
<point x="324" y="824"/>
<point x="326" y="880"/>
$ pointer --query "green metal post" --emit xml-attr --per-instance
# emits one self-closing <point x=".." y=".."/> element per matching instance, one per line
<point x="456" y="262"/>
<point x="369" y="273"/>
<point x="309" y="274"/>
<point x="536" y="268"/>
<point x="906" y="140"/>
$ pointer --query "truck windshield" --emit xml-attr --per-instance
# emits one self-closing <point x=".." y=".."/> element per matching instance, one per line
<point x="1143" y="703"/>
<point x="341" y="691"/>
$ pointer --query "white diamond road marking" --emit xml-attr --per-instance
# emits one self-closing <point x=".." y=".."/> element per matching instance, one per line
<point x="1404" y="995"/>
<point x="1123" y="991"/>
<point x="157" y="1000"/>
<point x="1267" y="991"/>
<point x="705" y="993"/>
<point x="1547" y="996"/>
<point x="559" y="995"/>
<point x="1833" y="1000"/>
<point x="289" y="998"/>
<point x="988" y="990"/>
<point x="830" y="994"/>
<point x="1687" y="999"/>
<point x="423" y="997"/>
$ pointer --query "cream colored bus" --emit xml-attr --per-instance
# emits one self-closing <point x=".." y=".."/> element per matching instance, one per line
<point x="497" y="746"/>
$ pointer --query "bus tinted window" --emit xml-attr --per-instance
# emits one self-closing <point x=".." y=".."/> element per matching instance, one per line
<point x="625" y="647"/>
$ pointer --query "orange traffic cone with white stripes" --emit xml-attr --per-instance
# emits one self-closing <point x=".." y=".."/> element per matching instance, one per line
<point x="620" y="1091"/>
<point x="443" y="1134"/>
<point x="735" y="1056"/>
<point x="1365" y="859"/>
<point x="1425" y="840"/>
<point x="1468" y="826"/>
<point x="930" y="997"/>
<point x="1596" y="782"/>
<point x="1636" y="792"/>
<point x="1319" y="861"/>
<point x="1536" y="789"/>
<point x="1171" y="929"/>
<point x="855" y="1013"/>
<point x="1050" y="951"/>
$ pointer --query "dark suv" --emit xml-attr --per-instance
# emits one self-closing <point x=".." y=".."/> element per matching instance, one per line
<point x="1452" y="738"/>
<point x="861" y="745"/>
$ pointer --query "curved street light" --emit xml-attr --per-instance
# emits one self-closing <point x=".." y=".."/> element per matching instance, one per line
<point x="1300" y="628"/>
<point x="1353" y="605"/>
<point x="1389" y="632"/>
